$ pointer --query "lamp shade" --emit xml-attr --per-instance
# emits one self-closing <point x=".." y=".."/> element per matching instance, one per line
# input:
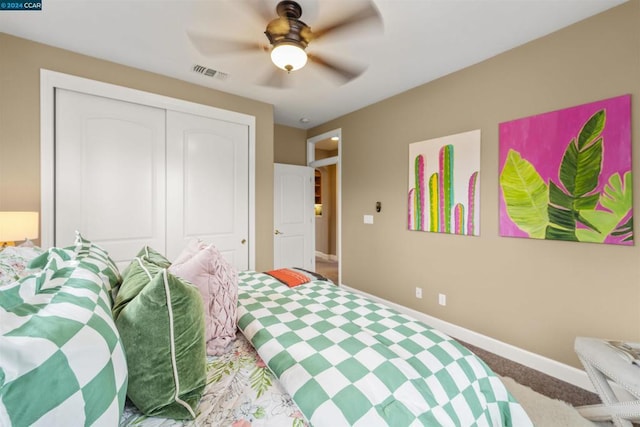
<point x="288" y="56"/>
<point x="16" y="226"/>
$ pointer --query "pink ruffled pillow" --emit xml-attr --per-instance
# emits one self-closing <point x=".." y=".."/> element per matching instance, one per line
<point x="217" y="280"/>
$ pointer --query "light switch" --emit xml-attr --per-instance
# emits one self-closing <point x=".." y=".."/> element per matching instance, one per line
<point x="368" y="219"/>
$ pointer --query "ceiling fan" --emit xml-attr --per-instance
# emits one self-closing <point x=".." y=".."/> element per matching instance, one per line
<point x="289" y="37"/>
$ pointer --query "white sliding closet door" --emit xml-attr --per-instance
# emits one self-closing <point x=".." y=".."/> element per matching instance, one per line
<point x="208" y="185"/>
<point x="109" y="173"/>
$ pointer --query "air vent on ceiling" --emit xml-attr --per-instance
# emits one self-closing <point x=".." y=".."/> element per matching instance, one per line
<point x="210" y="72"/>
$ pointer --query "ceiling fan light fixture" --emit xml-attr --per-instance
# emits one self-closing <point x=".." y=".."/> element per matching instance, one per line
<point x="288" y="56"/>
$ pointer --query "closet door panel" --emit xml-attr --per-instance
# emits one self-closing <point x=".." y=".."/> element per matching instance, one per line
<point x="207" y="185"/>
<point x="110" y="173"/>
<point x="208" y="172"/>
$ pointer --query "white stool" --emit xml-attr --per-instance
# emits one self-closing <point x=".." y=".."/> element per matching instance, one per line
<point x="603" y="363"/>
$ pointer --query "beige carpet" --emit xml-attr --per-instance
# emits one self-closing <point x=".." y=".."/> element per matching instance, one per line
<point x="544" y="411"/>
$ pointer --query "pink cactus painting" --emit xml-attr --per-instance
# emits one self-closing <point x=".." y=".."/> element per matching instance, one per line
<point x="566" y="174"/>
<point x="444" y="184"/>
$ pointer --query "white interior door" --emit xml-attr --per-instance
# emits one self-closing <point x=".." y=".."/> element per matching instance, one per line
<point x="109" y="173"/>
<point x="208" y="185"/>
<point x="294" y="236"/>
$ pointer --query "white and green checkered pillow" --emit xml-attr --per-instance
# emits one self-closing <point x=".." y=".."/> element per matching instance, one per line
<point x="93" y="254"/>
<point x="53" y="256"/>
<point x="61" y="358"/>
<point x="96" y="258"/>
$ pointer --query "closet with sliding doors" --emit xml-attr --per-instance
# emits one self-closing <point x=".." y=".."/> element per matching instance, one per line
<point x="128" y="173"/>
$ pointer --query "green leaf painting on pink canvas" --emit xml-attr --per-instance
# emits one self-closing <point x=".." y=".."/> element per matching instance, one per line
<point x="566" y="175"/>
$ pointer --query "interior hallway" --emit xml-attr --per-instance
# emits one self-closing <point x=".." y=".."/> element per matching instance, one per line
<point x="327" y="268"/>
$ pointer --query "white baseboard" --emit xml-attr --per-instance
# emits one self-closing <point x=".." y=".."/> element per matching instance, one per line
<point x="535" y="361"/>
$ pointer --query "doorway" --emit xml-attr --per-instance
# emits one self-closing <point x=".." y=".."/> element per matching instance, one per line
<point x="323" y="154"/>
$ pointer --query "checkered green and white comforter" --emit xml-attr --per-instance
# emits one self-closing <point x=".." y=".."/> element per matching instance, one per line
<point x="349" y="361"/>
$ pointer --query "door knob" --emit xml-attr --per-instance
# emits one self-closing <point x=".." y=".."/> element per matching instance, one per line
<point x="278" y="232"/>
<point x="243" y="241"/>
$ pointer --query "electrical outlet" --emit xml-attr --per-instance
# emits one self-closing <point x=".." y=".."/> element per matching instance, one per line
<point x="442" y="299"/>
<point x="418" y="292"/>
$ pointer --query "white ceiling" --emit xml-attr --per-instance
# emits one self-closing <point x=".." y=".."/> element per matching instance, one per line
<point x="419" y="41"/>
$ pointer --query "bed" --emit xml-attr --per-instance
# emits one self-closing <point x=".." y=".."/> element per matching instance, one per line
<point x="241" y="391"/>
<point x="312" y="354"/>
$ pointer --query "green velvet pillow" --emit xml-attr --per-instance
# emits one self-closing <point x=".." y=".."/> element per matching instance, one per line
<point x="150" y="255"/>
<point x="136" y="276"/>
<point x="162" y="330"/>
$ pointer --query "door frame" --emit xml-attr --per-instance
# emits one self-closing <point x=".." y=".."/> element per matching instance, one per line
<point x="51" y="80"/>
<point x="335" y="160"/>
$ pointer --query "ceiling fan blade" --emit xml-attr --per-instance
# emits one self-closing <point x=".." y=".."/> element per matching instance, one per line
<point x="342" y="71"/>
<point x="277" y="78"/>
<point x="262" y="9"/>
<point x="367" y="14"/>
<point x="209" y="46"/>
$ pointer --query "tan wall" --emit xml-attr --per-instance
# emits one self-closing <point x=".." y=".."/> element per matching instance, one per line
<point x="289" y="145"/>
<point x="20" y="64"/>
<point x="537" y="295"/>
